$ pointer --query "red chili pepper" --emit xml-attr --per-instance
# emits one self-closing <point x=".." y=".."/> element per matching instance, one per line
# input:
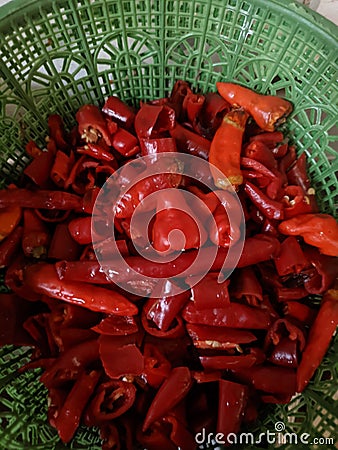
<point x="232" y="401"/>
<point x="9" y="219"/>
<point x="320" y="335"/>
<point x="291" y="258"/>
<point x="268" y="111"/>
<point x="119" y="111"/>
<point x="157" y="145"/>
<point x="36" y="236"/>
<point x="164" y="310"/>
<point x="208" y="292"/>
<point x="39" y="199"/>
<point x="296" y="202"/>
<point x="43" y="279"/>
<point x="172" y="391"/>
<point x="274" y="183"/>
<point x="189" y="142"/>
<point x="270" y="139"/>
<point x="229" y="135"/>
<point x="52" y="215"/>
<point x="40" y="168"/>
<point x="32" y="149"/>
<point x="319" y="230"/>
<point x="156" y="366"/>
<point x="82" y="176"/>
<point x="99" y="151"/>
<point x="120" y="360"/>
<point x="71" y="363"/>
<point x="10" y="246"/>
<point x="152" y="120"/>
<point x="178" y="93"/>
<point x="62" y="245"/>
<point x="221" y="338"/>
<point x="192" y="105"/>
<point x="233" y="315"/>
<point x="112" y="399"/>
<point x="324" y="273"/>
<point x="69" y="416"/>
<point x="68" y="337"/>
<point x="80" y="230"/>
<point x="245" y="285"/>
<point x="155" y="438"/>
<point x="225" y="362"/>
<point x="302" y="313"/>
<point x="179" y="434"/>
<point x="211" y="114"/>
<point x="92" y="124"/>
<point x="279" y="342"/>
<point x="125" y="143"/>
<point x="61" y="168"/>
<point x="57" y="131"/>
<point x="297" y="174"/>
<point x="268" y="207"/>
<point x="177" y="329"/>
<point x="116" y="326"/>
<point x="206" y="377"/>
<point x="261" y="153"/>
<point x="173" y="213"/>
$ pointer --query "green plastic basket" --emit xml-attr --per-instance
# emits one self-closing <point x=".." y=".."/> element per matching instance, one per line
<point x="58" y="55"/>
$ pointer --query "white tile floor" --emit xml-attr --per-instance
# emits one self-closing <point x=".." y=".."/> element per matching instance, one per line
<point x="327" y="8"/>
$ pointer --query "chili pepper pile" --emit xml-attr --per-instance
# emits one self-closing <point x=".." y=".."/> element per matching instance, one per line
<point x="156" y="371"/>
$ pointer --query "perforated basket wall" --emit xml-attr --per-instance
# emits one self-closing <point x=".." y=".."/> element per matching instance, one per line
<point x="58" y="55"/>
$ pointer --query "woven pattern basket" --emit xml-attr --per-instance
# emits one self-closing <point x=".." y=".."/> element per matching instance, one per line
<point x="58" y="55"/>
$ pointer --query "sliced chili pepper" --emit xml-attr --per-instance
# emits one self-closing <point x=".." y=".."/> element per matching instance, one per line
<point x="52" y="215"/>
<point x="162" y="311"/>
<point x="232" y="401"/>
<point x="172" y="391"/>
<point x="208" y="292"/>
<point x="156" y="366"/>
<point x="224" y="362"/>
<point x="99" y="151"/>
<point x="173" y="213"/>
<point x="245" y="285"/>
<point x="61" y="167"/>
<point x="14" y="279"/>
<point x="68" y="337"/>
<point x="179" y="434"/>
<point x="268" y="111"/>
<point x="324" y="274"/>
<point x="36" y="236"/>
<point x="9" y="220"/>
<point x="274" y="182"/>
<point x="270" y="139"/>
<point x="80" y="230"/>
<point x="303" y="313"/>
<point x="72" y="362"/>
<point x="192" y="105"/>
<point x="155" y="438"/>
<point x="40" y="168"/>
<point x="92" y="124"/>
<point x="221" y="338"/>
<point x="206" y="377"/>
<point x="43" y="279"/>
<point x="125" y="143"/>
<point x="261" y="153"/>
<point x="178" y="93"/>
<point x="319" y="338"/>
<point x="176" y="329"/>
<point x="57" y="131"/>
<point x="119" y="111"/>
<point x="157" y="145"/>
<point x="291" y="258"/>
<point x="32" y="149"/>
<point x="296" y="202"/>
<point x="68" y="419"/>
<point x="39" y="199"/>
<point x="233" y="315"/>
<point x="211" y="114"/>
<point x="116" y="325"/>
<point x="270" y="208"/>
<point x="112" y="399"/>
<point x="319" y="230"/>
<point x="228" y="136"/>
<point x="152" y="120"/>
<point x="56" y="399"/>
<point x="62" y="245"/>
<point x="82" y="175"/>
<point x="10" y="246"/>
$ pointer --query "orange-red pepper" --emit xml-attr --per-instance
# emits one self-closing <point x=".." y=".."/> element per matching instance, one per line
<point x="268" y="111"/>
<point x="226" y="147"/>
<point x="319" y="230"/>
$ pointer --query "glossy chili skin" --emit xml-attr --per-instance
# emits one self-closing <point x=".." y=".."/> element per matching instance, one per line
<point x="68" y="418"/>
<point x="319" y="338"/>
<point x="119" y="111"/>
<point x="36" y="236"/>
<point x="152" y="120"/>
<point x="189" y="142"/>
<point x="40" y="167"/>
<point x="171" y="392"/>
<point x="319" y="230"/>
<point x="43" y="279"/>
<point x="61" y="168"/>
<point x="92" y="124"/>
<point x="232" y="401"/>
<point x="39" y="199"/>
<point x="291" y="258"/>
<point x="268" y="111"/>
<point x="9" y="219"/>
<point x="62" y="245"/>
<point x="228" y="135"/>
<point x="57" y="131"/>
<point x="156" y="366"/>
<point x="272" y="209"/>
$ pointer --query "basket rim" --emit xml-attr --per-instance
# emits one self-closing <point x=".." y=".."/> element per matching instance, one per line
<point x="319" y="23"/>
